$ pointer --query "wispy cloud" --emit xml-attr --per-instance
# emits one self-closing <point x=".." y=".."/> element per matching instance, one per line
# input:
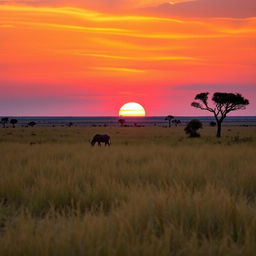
<point x="177" y="8"/>
<point x="106" y="4"/>
<point x="86" y="14"/>
<point x="142" y="58"/>
<point x="119" y="69"/>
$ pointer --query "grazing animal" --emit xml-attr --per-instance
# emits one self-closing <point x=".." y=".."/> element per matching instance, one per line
<point x="98" y="138"/>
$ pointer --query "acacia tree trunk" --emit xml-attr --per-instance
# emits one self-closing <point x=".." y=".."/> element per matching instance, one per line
<point x="169" y="123"/>
<point x="219" y="129"/>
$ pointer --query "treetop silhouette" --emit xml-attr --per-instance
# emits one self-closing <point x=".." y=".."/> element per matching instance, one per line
<point x="169" y="119"/>
<point x="224" y="103"/>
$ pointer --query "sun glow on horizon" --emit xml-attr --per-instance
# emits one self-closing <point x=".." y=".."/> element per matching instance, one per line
<point x="132" y="109"/>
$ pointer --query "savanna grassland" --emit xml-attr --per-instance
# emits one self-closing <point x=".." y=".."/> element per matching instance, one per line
<point x="153" y="192"/>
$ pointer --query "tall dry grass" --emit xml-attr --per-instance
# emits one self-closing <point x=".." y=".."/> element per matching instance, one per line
<point x="153" y="192"/>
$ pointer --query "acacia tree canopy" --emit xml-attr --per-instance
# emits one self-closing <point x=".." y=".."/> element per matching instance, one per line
<point x="224" y="103"/>
<point x="169" y="119"/>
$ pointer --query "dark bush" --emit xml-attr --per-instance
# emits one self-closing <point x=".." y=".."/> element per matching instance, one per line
<point x="192" y="127"/>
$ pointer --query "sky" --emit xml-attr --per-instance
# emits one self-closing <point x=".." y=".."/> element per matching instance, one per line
<point x="88" y="58"/>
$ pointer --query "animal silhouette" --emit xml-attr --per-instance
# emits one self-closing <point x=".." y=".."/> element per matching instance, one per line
<point x="101" y="138"/>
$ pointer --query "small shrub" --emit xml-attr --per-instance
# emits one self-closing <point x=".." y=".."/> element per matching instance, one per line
<point x="192" y="127"/>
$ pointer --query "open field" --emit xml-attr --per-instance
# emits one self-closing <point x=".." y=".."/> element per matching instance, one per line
<point x="153" y="192"/>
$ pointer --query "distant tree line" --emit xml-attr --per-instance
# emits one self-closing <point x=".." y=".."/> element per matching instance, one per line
<point x="171" y="120"/>
<point x="13" y="122"/>
<point x="6" y="120"/>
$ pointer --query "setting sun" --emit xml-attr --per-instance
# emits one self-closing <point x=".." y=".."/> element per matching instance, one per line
<point x="132" y="109"/>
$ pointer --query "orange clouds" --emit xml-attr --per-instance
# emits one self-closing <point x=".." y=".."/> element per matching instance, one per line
<point x="76" y="50"/>
<point x="107" y="4"/>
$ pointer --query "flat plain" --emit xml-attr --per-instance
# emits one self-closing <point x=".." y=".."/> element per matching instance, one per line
<point x="153" y="192"/>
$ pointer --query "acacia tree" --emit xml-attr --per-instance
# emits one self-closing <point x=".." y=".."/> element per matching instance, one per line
<point x="13" y="122"/>
<point x="121" y="122"/>
<point x="224" y="103"/>
<point x="169" y="119"/>
<point x="4" y="121"/>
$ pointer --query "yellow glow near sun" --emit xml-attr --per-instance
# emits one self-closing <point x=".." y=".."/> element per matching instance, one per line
<point x="132" y="109"/>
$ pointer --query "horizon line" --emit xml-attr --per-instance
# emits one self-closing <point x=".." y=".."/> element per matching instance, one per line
<point x="119" y="116"/>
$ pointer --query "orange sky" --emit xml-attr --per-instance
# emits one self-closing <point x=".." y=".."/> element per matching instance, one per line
<point x="79" y="58"/>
